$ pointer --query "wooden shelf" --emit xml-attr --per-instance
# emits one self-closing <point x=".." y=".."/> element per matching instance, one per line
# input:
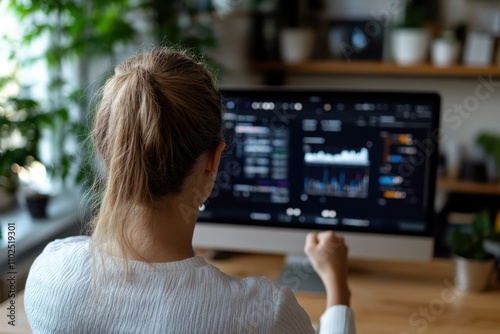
<point x="375" y="68"/>
<point x="468" y="187"/>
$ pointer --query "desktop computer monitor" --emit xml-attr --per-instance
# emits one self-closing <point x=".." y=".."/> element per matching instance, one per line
<point x="361" y="163"/>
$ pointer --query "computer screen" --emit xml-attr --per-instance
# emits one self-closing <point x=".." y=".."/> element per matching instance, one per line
<point x="361" y="162"/>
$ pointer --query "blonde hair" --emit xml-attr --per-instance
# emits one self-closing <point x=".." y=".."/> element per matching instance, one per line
<point x="158" y="114"/>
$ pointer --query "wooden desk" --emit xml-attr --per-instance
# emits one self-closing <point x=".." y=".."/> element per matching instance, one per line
<point x="386" y="297"/>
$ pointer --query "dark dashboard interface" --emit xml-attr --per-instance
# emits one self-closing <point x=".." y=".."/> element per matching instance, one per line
<point x="348" y="161"/>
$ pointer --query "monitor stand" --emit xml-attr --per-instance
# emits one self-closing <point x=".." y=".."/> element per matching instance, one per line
<point x="300" y="276"/>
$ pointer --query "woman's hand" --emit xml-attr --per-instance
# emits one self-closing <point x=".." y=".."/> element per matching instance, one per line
<point x="328" y="255"/>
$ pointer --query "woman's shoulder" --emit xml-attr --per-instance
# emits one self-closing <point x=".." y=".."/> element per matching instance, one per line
<point x="265" y="306"/>
<point x="250" y="287"/>
<point x="66" y="247"/>
<point x="68" y="242"/>
<point x="61" y="261"/>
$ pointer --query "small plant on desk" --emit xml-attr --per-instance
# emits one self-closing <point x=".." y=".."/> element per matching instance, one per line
<point x="21" y="124"/>
<point x="473" y="264"/>
<point x="35" y="185"/>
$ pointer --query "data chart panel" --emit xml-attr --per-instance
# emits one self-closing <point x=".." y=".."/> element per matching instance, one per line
<point x="358" y="162"/>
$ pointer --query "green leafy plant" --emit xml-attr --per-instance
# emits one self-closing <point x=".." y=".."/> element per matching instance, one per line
<point x="468" y="241"/>
<point x="80" y="32"/>
<point x="77" y="31"/>
<point x="180" y="22"/>
<point x="448" y="37"/>
<point x="68" y="38"/>
<point x="490" y="143"/>
<point x="418" y="13"/>
<point x="22" y="122"/>
<point x="412" y="19"/>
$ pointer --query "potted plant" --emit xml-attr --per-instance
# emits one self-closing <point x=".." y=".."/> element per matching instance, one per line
<point x="35" y="187"/>
<point x="23" y="122"/>
<point x="410" y="38"/>
<point x="445" y="49"/>
<point x="473" y="264"/>
<point x="296" y="39"/>
<point x="77" y="43"/>
<point x="490" y="144"/>
<point x="75" y="40"/>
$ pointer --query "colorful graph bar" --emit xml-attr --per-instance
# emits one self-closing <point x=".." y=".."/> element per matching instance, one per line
<point x="390" y="180"/>
<point x="345" y="157"/>
<point x="341" y="185"/>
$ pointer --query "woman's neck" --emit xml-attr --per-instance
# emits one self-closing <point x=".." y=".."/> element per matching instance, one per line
<point x="166" y="234"/>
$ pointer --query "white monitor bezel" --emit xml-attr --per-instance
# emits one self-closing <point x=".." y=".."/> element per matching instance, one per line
<point x="290" y="241"/>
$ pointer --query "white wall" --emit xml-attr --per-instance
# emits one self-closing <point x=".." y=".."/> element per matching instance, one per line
<point x="233" y="54"/>
<point x="233" y="34"/>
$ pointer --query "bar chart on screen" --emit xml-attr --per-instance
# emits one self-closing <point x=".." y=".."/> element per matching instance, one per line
<point x="341" y="174"/>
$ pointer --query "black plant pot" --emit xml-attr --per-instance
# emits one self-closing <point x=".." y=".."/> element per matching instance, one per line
<point x="37" y="205"/>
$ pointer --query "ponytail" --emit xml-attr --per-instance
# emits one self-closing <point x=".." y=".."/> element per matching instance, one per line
<point x="158" y="114"/>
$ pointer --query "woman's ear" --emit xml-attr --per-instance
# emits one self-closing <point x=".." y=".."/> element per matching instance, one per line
<point x="215" y="157"/>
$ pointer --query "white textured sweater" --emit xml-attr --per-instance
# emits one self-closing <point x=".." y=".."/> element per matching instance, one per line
<point x="189" y="296"/>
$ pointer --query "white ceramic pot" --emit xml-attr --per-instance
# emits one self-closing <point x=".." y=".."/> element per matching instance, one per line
<point x="296" y="44"/>
<point x="471" y="275"/>
<point x="444" y="53"/>
<point x="410" y="45"/>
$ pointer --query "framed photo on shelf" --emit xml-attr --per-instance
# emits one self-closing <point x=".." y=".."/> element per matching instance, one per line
<point x="479" y="48"/>
<point x="354" y="40"/>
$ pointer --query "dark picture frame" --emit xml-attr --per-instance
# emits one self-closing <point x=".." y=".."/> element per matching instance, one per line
<point x="354" y="40"/>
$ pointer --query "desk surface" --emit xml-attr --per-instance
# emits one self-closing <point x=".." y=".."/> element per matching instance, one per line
<point x="394" y="297"/>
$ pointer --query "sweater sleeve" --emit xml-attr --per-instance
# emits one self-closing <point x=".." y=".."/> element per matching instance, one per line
<point x="289" y="316"/>
<point x="337" y="319"/>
